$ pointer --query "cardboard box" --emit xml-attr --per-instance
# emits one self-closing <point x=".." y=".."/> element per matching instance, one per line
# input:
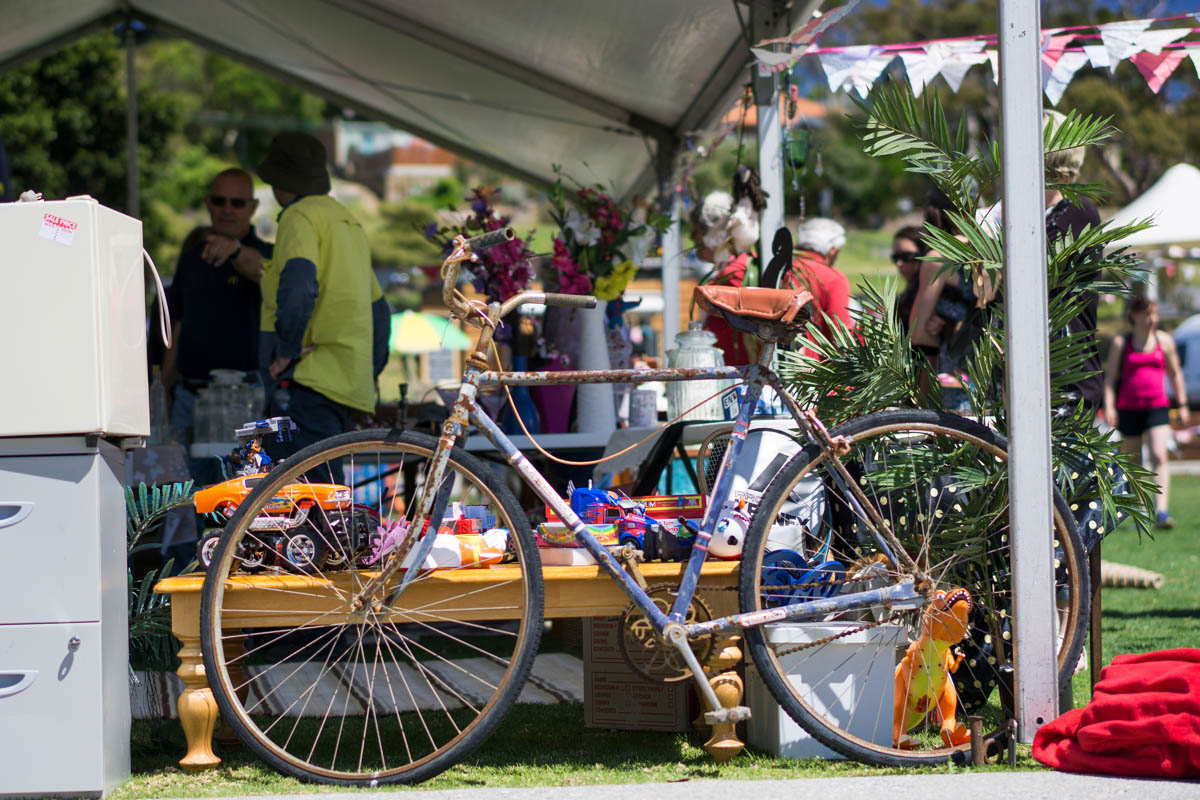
<point x="616" y="697"/>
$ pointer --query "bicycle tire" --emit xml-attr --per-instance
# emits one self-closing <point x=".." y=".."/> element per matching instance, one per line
<point x="934" y="477"/>
<point x="396" y="693"/>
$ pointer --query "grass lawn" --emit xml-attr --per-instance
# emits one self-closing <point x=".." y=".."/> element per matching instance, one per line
<point x="549" y="746"/>
<point x="867" y="256"/>
<point x="1142" y="620"/>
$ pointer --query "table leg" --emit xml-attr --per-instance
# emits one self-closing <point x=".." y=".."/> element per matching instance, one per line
<point x="197" y="708"/>
<point x="724" y="743"/>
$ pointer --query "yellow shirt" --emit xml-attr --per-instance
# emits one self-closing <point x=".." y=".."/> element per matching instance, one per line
<point x="321" y="230"/>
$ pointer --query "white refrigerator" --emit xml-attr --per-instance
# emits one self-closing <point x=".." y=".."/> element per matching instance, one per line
<point x="74" y="390"/>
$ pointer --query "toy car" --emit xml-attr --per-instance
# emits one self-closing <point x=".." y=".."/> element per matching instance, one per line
<point x="300" y="526"/>
<point x="663" y="528"/>
<point x="303" y="527"/>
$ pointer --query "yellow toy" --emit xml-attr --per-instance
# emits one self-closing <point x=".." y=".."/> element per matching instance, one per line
<point x="923" y="682"/>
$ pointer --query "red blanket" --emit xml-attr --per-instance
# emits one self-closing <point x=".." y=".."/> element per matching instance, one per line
<point x="1143" y="720"/>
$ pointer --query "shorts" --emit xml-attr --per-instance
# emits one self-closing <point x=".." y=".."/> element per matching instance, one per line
<point x="1135" y="423"/>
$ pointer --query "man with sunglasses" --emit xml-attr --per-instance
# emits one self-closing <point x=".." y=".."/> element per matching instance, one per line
<point x="214" y="296"/>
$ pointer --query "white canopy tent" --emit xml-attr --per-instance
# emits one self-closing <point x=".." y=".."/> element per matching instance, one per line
<point x="599" y="88"/>
<point x="605" y="90"/>
<point x="1169" y="202"/>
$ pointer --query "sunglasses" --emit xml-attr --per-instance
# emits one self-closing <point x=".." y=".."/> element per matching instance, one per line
<point x="904" y="255"/>
<point x="219" y="201"/>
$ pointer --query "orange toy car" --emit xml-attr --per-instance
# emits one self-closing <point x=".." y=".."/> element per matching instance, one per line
<point x="291" y="531"/>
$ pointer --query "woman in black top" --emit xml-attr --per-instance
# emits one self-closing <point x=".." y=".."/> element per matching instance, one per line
<point x="908" y="246"/>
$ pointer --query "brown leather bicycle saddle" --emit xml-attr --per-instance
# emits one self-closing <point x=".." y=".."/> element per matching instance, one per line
<point x="772" y="315"/>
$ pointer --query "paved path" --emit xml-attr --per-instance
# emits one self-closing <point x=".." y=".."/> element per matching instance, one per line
<point x="1185" y="467"/>
<point x="973" y="785"/>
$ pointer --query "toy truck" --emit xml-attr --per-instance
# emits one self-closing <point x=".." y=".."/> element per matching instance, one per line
<point x="662" y="527"/>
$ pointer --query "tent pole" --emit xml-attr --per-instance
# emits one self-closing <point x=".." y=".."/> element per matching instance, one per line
<point x="133" y="203"/>
<point x="672" y="243"/>
<point x="1027" y="371"/>
<point x="766" y="19"/>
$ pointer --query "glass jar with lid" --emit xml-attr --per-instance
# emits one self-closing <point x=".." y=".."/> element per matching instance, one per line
<point x="696" y="348"/>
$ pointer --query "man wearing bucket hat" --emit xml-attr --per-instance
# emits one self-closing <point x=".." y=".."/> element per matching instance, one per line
<point x="325" y="323"/>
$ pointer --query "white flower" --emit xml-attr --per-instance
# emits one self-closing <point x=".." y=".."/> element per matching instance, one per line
<point x="586" y="232"/>
<point x="640" y="244"/>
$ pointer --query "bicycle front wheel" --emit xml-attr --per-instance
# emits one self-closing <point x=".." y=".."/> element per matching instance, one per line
<point x="394" y="691"/>
<point x="894" y="686"/>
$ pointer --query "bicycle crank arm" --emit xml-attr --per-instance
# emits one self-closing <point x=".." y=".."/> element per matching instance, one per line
<point x="677" y="636"/>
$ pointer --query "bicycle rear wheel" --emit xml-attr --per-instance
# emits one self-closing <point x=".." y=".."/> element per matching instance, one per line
<point x="405" y="687"/>
<point x="941" y="484"/>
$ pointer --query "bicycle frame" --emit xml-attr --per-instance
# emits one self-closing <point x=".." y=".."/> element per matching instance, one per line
<point x="432" y="504"/>
<point x="755" y="376"/>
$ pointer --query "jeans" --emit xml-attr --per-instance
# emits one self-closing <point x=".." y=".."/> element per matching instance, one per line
<point x="317" y="418"/>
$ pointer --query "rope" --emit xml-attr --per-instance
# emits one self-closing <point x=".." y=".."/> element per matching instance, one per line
<point x="496" y="357"/>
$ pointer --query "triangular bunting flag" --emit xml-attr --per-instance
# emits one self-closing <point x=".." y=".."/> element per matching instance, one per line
<point x="993" y="58"/>
<point x="1153" y="41"/>
<point x="1097" y="54"/>
<point x="855" y="68"/>
<point x="814" y="27"/>
<point x="1061" y="75"/>
<point x="924" y="65"/>
<point x="1053" y="46"/>
<point x="1120" y="39"/>
<point x="965" y="56"/>
<point x="1157" y="67"/>
<point x="772" y="58"/>
<point x="1194" y="52"/>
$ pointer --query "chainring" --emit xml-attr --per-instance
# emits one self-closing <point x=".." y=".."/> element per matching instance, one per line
<point x="651" y="656"/>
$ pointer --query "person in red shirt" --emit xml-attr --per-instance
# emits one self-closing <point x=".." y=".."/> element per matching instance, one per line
<point x="818" y="241"/>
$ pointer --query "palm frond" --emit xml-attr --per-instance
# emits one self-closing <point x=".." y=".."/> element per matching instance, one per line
<point x="874" y="369"/>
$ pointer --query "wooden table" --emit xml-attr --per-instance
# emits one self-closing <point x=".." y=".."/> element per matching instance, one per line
<point x="571" y="592"/>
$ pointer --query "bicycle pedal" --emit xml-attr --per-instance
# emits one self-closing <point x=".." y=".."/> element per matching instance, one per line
<point x="727" y="715"/>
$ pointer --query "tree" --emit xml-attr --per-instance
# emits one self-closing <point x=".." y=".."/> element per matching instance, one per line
<point x="63" y="121"/>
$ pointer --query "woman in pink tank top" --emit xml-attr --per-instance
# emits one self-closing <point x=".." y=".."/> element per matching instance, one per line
<point x="1140" y="361"/>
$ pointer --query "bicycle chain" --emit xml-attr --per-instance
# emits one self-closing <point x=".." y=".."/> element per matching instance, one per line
<point x="894" y="617"/>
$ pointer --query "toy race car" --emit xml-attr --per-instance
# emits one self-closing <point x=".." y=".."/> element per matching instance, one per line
<point x="306" y="526"/>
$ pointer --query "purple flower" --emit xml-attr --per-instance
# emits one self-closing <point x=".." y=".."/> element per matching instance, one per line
<point x="431" y="230"/>
<point x="480" y="206"/>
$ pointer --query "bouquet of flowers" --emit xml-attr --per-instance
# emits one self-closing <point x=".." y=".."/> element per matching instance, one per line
<point x="598" y="243"/>
<point x="502" y="270"/>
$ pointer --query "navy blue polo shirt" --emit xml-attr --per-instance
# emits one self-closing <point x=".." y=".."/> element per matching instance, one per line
<point x="218" y="311"/>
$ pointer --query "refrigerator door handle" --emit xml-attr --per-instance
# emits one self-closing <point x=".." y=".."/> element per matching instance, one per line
<point x="13" y="512"/>
<point x="16" y="681"/>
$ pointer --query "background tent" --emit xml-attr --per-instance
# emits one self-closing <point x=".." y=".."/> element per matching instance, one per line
<point x="604" y="89"/>
<point x="1171" y="202"/>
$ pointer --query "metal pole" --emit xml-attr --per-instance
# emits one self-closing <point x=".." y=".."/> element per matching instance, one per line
<point x="766" y="17"/>
<point x="672" y="243"/>
<point x="133" y="203"/>
<point x="672" y="257"/>
<point x="1027" y="373"/>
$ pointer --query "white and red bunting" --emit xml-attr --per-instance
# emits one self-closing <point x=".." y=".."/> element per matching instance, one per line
<point x="950" y="59"/>
<point x="1156" y="53"/>
<point x="855" y="68"/>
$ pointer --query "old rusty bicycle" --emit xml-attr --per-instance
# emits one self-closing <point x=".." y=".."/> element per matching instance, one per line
<point x="365" y="677"/>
